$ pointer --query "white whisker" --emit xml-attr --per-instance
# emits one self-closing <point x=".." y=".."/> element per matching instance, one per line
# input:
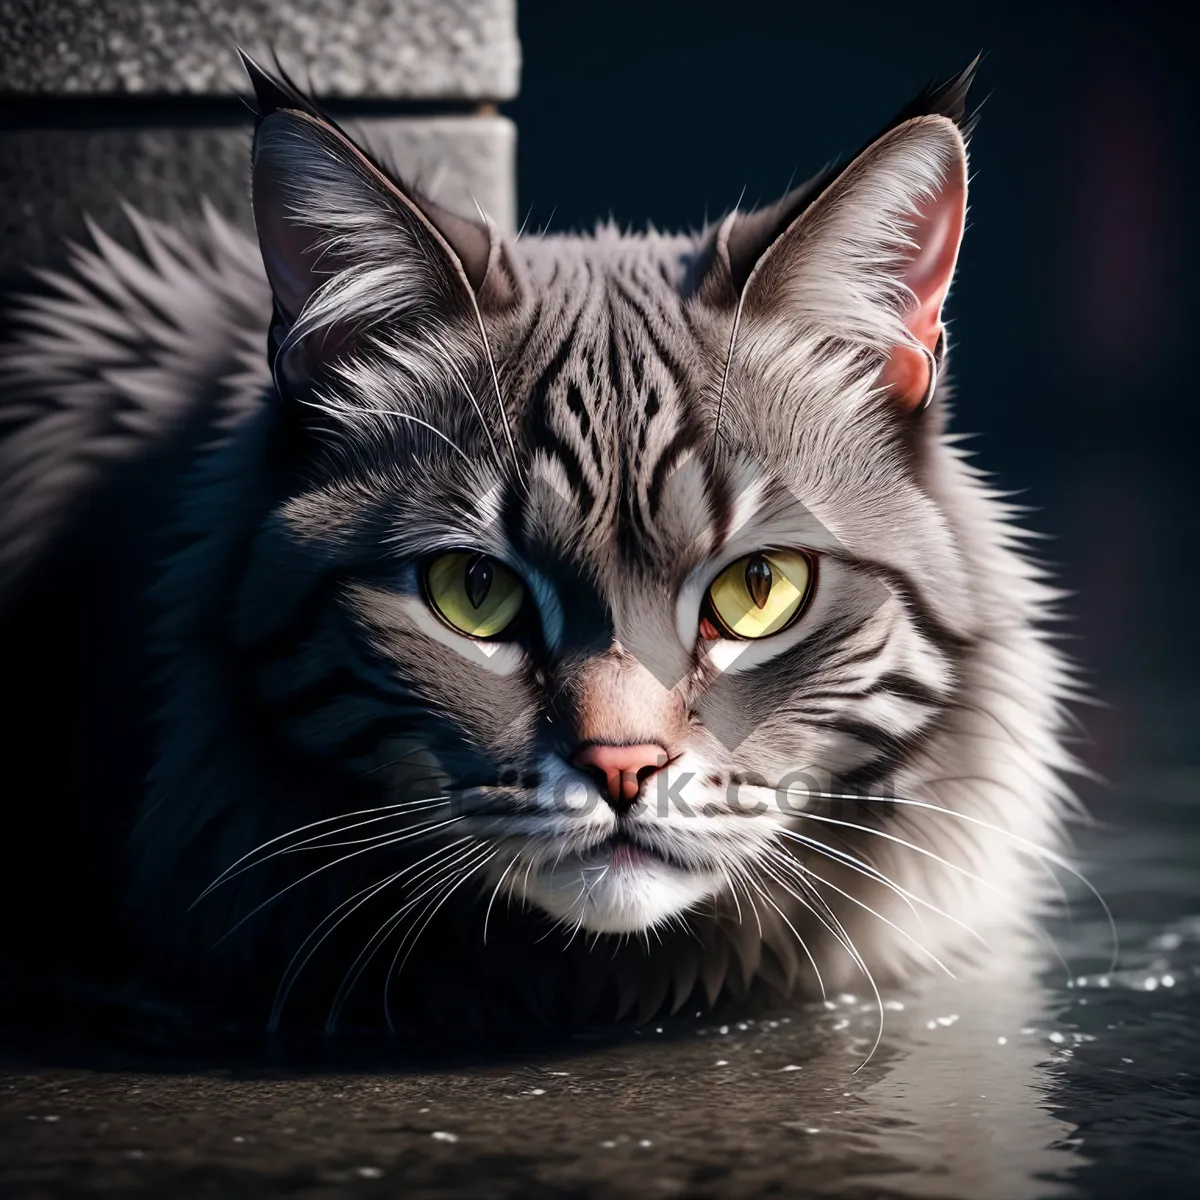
<point x="495" y="892"/>
<point x="810" y="873"/>
<point x="911" y="898"/>
<point x="361" y="812"/>
<point x="393" y="970"/>
<point x="1041" y="852"/>
<point x="288" y="980"/>
<point x="354" y="972"/>
<point x="327" y="866"/>
<point x="795" y="933"/>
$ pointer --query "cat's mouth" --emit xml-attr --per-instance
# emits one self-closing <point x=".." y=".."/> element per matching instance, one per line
<point x="621" y="850"/>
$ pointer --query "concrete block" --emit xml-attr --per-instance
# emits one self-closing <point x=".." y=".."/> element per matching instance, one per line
<point x="49" y="178"/>
<point x="413" y="49"/>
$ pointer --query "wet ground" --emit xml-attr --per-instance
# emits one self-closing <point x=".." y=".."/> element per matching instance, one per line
<point x="1016" y="1084"/>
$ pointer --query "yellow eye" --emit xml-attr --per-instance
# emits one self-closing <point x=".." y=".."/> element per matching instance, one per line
<point x="760" y="594"/>
<point x="473" y="593"/>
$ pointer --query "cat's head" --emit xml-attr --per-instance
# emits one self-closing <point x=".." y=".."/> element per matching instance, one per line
<point x="603" y="557"/>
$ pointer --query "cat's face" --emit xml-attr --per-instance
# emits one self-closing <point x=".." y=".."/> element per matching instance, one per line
<point x="546" y="602"/>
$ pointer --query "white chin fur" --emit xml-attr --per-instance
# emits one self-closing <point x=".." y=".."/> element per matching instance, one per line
<point x="624" y="899"/>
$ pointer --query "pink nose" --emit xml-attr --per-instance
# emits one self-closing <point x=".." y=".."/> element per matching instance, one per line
<point x="620" y="770"/>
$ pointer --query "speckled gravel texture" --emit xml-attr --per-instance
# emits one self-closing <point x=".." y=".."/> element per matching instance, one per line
<point x="423" y="49"/>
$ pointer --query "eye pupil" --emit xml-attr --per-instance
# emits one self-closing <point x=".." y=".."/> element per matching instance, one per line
<point x="478" y="580"/>
<point x="759" y="580"/>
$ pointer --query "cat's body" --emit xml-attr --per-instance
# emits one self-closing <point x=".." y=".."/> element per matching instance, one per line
<point x="617" y="419"/>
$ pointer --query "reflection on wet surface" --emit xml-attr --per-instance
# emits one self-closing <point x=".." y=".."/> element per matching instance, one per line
<point x="1019" y="1082"/>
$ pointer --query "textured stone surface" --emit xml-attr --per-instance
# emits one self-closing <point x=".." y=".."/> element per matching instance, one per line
<point x="421" y="49"/>
<point x="48" y="178"/>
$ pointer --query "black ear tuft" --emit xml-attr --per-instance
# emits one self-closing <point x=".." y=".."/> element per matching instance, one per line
<point x="947" y="99"/>
<point x="275" y="91"/>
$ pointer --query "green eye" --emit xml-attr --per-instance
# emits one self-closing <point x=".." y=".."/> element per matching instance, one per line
<point x="473" y="593"/>
<point x="760" y="594"/>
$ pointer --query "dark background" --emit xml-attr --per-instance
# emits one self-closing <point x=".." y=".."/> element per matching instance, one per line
<point x="1074" y="310"/>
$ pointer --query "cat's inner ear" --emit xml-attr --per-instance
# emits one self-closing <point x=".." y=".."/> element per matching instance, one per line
<point x="935" y="231"/>
<point x="871" y="260"/>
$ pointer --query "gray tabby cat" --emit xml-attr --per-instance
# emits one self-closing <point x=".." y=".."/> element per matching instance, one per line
<point x="551" y="629"/>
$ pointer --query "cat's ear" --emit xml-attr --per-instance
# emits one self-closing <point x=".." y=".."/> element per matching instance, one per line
<point x="872" y="259"/>
<point x="867" y="252"/>
<point x="346" y="246"/>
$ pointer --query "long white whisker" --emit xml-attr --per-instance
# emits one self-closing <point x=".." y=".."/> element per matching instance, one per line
<point x="1042" y="852"/>
<point x="361" y="812"/>
<point x="733" y="892"/>
<point x="495" y="892"/>
<point x="393" y="970"/>
<point x="733" y="333"/>
<point x="841" y="935"/>
<point x="525" y="883"/>
<point x="862" y="866"/>
<point x="326" y="866"/>
<point x="866" y="970"/>
<point x="810" y="873"/>
<point x="439" y="871"/>
<point x="911" y="898"/>
<point x="290" y="977"/>
<point x="739" y="873"/>
<point x="891" y="837"/>
<point x="795" y="933"/>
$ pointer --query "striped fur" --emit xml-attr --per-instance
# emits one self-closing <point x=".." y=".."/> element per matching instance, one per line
<point x="565" y="420"/>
